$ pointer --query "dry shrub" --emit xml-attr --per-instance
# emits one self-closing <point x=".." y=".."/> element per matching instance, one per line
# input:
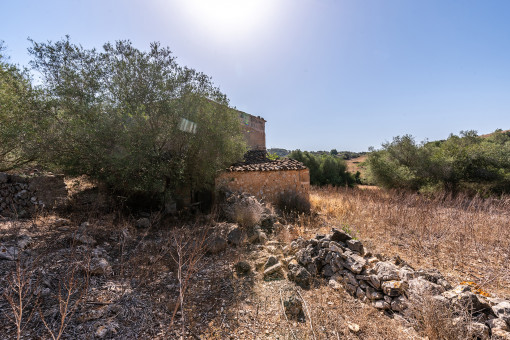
<point x="436" y="320"/>
<point x="467" y="239"/>
<point x="243" y="209"/>
<point x="291" y="201"/>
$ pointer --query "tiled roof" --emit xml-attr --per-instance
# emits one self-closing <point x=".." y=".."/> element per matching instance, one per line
<point x="256" y="160"/>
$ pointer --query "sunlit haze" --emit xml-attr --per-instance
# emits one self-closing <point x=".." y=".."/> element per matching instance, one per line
<point x="324" y="74"/>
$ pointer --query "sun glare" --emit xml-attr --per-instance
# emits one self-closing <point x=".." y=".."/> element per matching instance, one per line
<point x="230" y="19"/>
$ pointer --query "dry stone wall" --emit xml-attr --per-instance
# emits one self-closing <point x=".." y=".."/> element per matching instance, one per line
<point x="21" y="196"/>
<point x="394" y="286"/>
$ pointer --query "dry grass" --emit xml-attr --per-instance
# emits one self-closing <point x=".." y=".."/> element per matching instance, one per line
<point x="466" y="239"/>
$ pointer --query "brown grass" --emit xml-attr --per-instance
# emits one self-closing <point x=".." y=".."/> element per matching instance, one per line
<point x="466" y="239"/>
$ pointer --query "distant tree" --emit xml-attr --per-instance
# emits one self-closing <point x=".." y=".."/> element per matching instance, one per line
<point x="134" y="119"/>
<point x="333" y="152"/>
<point x="324" y="169"/>
<point x="460" y="163"/>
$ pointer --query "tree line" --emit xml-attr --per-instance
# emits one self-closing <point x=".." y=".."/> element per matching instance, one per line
<point x="467" y="163"/>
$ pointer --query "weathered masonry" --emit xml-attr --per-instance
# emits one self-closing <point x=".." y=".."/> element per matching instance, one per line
<point x="254" y="129"/>
<point x="257" y="174"/>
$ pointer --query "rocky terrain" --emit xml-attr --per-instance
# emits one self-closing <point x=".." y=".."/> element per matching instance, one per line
<point x="241" y="274"/>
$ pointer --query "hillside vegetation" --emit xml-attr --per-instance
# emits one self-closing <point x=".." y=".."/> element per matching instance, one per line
<point x="467" y="163"/>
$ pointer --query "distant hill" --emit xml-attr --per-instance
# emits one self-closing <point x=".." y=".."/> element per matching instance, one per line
<point x="341" y="154"/>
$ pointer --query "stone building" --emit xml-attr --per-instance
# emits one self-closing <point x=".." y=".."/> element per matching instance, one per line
<point x="257" y="174"/>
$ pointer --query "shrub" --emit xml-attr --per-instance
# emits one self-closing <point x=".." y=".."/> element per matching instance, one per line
<point x="325" y="169"/>
<point x="243" y="209"/>
<point x="292" y="201"/>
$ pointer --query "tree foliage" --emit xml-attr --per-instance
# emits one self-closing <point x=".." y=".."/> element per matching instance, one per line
<point x="466" y="162"/>
<point x="324" y="169"/>
<point x="22" y="116"/>
<point x="134" y="119"/>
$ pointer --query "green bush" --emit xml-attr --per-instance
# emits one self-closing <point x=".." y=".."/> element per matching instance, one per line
<point x="324" y="169"/>
<point x="466" y="163"/>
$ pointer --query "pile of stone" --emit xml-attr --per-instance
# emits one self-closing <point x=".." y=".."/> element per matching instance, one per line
<point x="17" y="197"/>
<point x="392" y="286"/>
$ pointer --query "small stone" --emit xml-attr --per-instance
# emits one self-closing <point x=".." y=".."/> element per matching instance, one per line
<point x="8" y="253"/>
<point x="373" y="294"/>
<point x="273" y="272"/>
<point x="294" y="308"/>
<point x="498" y="323"/>
<point x="381" y="304"/>
<point x="299" y="275"/>
<point x="353" y="327"/>
<point x="235" y="236"/>
<point x="399" y="304"/>
<point x="271" y="261"/>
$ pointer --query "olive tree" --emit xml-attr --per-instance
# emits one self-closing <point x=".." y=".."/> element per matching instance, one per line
<point x="22" y="116"/>
<point x="134" y="119"/>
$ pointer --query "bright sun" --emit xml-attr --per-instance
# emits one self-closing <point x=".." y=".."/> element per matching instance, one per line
<point x="230" y="19"/>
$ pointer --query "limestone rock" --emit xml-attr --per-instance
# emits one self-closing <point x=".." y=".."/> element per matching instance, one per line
<point x="381" y="304"/>
<point x="386" y="271"/>
<point x="355" y="245"/>
<point x="273" y="272"/>
<point x="499" y="334"/>
<point x="399" y="304"/>
<point x="235" y="236"/>
<point x="498" y="323"/>
<point x="502" y="310"/>
<point x="354" y="263"/>
<point x="8" y="253"/>
<point x="271" y="261"/>
<point x="339" y="235"/>
<point x="300" y="276"/>
<point x="462" y="297"/>
<point x="419" y="288"/>
<point x="392" y="288"/>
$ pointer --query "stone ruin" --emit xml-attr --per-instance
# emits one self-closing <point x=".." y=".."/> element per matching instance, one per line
<point x="21" y="196"/>
<point x="393" y="286"/>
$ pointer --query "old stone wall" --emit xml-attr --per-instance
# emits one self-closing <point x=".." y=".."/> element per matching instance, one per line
<point x="254" y="129"/>
<point x="21" y="196"/>
<point x="266" y="185"/>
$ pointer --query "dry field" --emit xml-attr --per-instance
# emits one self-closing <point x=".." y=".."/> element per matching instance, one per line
<point x="466" y="239"/>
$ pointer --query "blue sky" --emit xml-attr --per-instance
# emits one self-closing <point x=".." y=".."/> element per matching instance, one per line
<point x="324" y="74"/>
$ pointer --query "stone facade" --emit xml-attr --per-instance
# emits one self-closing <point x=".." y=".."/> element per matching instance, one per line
<point x="254" y="129"/>
<point x="266" y="185"/>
